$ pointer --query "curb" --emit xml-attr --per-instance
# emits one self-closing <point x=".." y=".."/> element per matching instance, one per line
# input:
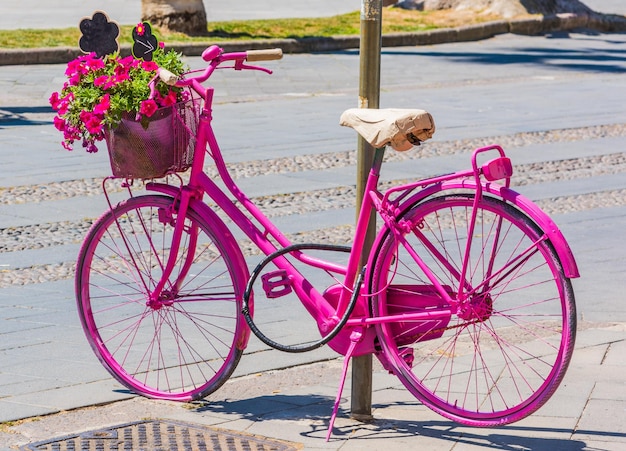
<point x="530" y="26"/>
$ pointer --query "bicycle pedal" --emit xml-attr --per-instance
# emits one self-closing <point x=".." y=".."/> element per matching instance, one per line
<point x="276" y="284"/>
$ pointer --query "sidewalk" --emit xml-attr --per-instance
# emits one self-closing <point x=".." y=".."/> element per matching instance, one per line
<point x="289" y="409"/>
<point x="558" y="101"/>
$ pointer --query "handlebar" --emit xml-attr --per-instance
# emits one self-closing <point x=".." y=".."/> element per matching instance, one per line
<point x="264" y="55"/>
<point x="215" y="56"/>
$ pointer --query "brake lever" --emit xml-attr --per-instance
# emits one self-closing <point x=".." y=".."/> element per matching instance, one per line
<point x="241" y="65"/>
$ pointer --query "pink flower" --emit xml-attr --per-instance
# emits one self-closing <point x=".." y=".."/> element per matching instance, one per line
<point x="91" y="147"/>
<point x="103" y="106"/>
<point x="71" y="133"/>
<point x="122" y="77"/>
<point x="61" y="104"/>
<point x="101" y="81"/>
<point x="94" y="125"/>
<point x="105" y="82"/>
<point x="128" y="62"/>
<point x="148" y="107"/>
<point x="149" y="66"/>
<point x="59" y="123"/>
<point x="75" y="67"/>
<point x="91" y="61"/>
<point x="120" y="70"/>
<point x="54" y="100"/>
<point x="85" y="115"/>
<point x="93" y="122"/>
<point x="169" y="100"/>
<point x="82" y="66"/>
<point x="72" y="67"/>
<point x="94" y="63"/>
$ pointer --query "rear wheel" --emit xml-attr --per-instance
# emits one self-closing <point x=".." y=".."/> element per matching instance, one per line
<point x="498" y="355"/>
<point x="183" y="345"/>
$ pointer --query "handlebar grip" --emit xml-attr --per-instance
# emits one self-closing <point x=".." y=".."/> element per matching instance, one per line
<point x="167" y="77"/>
<point x="264" y="55"/>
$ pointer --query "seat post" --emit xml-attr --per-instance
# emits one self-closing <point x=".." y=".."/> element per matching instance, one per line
<point x="377" y="162"/>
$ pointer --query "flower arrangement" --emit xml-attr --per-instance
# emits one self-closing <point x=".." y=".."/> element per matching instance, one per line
<point x="100" y="91"/>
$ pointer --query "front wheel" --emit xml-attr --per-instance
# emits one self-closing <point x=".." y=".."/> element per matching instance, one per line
<point x="185" y="344"/>
<point x="497" y="354"/>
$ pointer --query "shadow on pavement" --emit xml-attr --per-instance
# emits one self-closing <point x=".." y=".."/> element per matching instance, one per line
<point x="318" y="408"/>
<point x="590" y="59"/>
<point x="21" y="115"/>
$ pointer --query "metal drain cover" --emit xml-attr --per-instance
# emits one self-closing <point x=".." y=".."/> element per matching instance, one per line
<point x="159" y="435"/>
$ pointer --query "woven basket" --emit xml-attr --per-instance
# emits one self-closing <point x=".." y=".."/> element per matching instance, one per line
<point x="165" y="146"/>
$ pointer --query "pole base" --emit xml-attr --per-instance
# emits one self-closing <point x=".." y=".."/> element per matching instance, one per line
<point x="362" y="417"/>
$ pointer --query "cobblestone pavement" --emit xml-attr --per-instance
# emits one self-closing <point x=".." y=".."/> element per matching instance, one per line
<point x="38" y="236"/>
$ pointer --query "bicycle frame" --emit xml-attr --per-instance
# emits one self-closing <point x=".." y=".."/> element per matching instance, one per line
<point x="323" y="312"/>
<point x="465" y="296"/>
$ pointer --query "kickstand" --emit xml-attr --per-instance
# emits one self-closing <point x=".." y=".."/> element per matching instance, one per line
<point x="355" y="338"/>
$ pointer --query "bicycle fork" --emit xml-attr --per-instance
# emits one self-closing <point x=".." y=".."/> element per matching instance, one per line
<point x="159" y="296"/>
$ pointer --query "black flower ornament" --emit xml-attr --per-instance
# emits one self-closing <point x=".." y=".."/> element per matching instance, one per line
<point x="99" y="35"/>
<point x="145" y="43"/>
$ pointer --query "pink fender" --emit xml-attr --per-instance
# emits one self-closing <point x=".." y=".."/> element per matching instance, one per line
<point x="570" y="268"/>
<point x="545" y="223"/>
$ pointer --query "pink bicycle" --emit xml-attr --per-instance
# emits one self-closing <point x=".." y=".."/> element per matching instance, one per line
<point x="465" y="295"/>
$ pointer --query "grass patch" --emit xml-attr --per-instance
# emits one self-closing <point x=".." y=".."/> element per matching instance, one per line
<point x="395" y="20"/>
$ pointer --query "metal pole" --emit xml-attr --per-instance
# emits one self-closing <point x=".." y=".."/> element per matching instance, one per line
<point x="369" y="96"/>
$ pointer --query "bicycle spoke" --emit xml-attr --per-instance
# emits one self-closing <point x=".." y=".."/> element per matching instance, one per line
<point x="181" y="344"/>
